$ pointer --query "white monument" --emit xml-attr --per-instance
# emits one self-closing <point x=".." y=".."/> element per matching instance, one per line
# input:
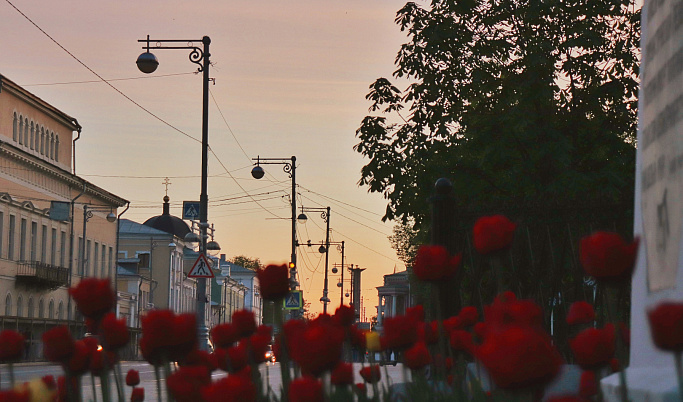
<point x="658" y="218"/>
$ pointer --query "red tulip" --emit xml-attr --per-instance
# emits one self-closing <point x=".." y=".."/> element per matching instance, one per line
<point x="417" y="356"/>
<point x="580" y="312"/>
<point x="58" y="345"/>
<point x="306" y="389"/>
<point x="433" y="263"/>
<point x="417" y="312"/>
<point x="94" y="297"/>
<point x="11" y="346"/>
<point x="519" y="357"/>
<point x="186" y="382"/>
<point x="493" y="233"/>
<point x="461" y="340"/>
<point x="507" y="310"/>
<point x="224" y="335"/>
<point x="137" y="395"/>
<point x="233" y="388"/>
<point x="371" y="374"/>
<point x="166" y="336"/>
<point x="114" y="332"/>
<point x="345" y="315"/>
<point x="593" y="348"/>
<point x="588" y="386"/>
<point x="606" y="256"/>
<point x="15" y="395"/>
<point x="469" y="316"/>
<point x="342" y="374"/>
<point x="273" y="282"/>
<point x="198" y="357"/>
<point x="666" y="326"/>
<point x="319" y="347"/>
<point x="79" y="362"/>
<point x="400" y="332"/>
<point x="132" y="378"/>
<point x="244" y="323"/>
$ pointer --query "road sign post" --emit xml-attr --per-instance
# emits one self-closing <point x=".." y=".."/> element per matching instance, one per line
<point x="191" y="210"/>
<point x="201" y="268"/>
<point x="293" y="300"/>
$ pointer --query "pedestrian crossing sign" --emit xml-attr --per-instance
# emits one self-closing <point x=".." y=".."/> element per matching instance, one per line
<point x="293" y="300"/>
<point x="201" y="268"/>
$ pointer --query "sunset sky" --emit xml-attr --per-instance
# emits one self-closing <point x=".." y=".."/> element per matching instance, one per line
<point x="290" y="79"/>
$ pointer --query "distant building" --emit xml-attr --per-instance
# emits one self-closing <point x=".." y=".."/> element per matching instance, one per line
<point x="164" y="259"/>
<point x="45" y="246"/>
<point x="394" y="297"/>
<point x="241" y="290"/>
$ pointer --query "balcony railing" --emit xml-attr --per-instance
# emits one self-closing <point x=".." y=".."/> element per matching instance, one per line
<point x="40" y="275"/>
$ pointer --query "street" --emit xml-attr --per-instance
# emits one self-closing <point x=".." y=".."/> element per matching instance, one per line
<point x="270" y="373"/>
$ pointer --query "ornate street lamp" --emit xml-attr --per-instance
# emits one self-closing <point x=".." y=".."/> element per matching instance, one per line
<point x="324" y="248"/>
<point x="290" y="168"/>
<point x="148" y="63"/>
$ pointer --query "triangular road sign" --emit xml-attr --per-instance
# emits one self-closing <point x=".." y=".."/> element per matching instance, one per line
<point x="201" y="268"/>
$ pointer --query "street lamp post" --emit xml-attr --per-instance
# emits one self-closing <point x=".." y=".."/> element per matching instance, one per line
<point x="290" y="168"/>
<point x="87" y="214"/>
<point x="325" y="214"/>
<point x="148" y="63"/>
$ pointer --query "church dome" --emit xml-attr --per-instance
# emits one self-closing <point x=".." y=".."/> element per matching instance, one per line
<point x="168" y="223"/>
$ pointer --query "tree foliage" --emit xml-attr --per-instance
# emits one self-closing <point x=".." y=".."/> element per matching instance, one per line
<point x="513" y="100"/>
<point x="247" y="262"/>
<point x="405" y="240"/>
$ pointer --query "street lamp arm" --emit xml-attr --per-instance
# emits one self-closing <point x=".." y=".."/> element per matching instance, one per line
<point x="196" y="55"/>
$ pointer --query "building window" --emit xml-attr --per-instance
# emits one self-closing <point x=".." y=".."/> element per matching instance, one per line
<point x="2" y="230"/>
<point x="10" y="237"/>
<point x="8" y="305"/>
<point x="26" y="131"/>
<point x="32" y="133"/>
<point x="20" y="132"/>
<point x="37" y="139"/>
<point x="41" y="306"/>
<point x="104" y="262"/>
<point x="51" y="310"/>
<point x="57" y="148"/>
<point x="42" y="141"/>
<point x="20" y="306"/>
<point x="96" y="259"/>
<point x="22" y="240"/>
<point x="144" y="260"/>
<point x="60" y="310"/>
<point x="34" y="240"/>
<point x="30" y="307"/>
<point x="88" y="248"/>
<point x="110" y="262"/>
<point x="43" y="244"/>
<point x="53" y="247"/>
<point x="62" y="249"/>
<point x="52" y="145"/>
<point x="14" y="126"/>
<point x="81" y="257"/>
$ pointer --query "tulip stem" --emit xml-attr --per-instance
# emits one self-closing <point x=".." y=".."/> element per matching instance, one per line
<point x="94" y="388"/>
<point x="611" y="298"/>
<point x="158" y="377"/>
<point x="11" y="374"/>
<point x="119" y="384"/>
<point x="284" y="356"/>
<point x="679" y="372"/>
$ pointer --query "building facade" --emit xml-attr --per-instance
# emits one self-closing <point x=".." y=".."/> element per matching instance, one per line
<point x="55" y="227"/>
<point x="394" y="297"/>
<point x="240" y="289"/>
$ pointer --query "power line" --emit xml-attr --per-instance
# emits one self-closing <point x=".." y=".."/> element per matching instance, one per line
<point x="112" y="79"/>
<point x="100" y="77"/>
